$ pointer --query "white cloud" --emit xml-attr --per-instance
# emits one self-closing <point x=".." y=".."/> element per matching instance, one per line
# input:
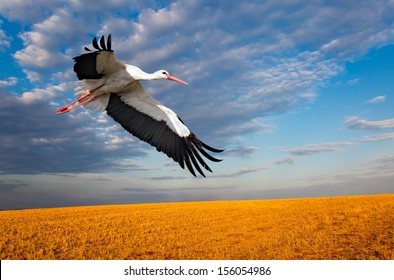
<point x="381" y="165"/>
<point x="46" y="141"/>
<point x="240" y="172"/>
<point x="244" y="128"/>
<point x="32" y="76"/>
<point x="361" y="123"/>
<point x="40" y="58"/>
<point x="243" y="151"/>
<point x="358" y="43"/>
<point x="11" y="81"/>
<point x="353" y="82"/>
<point x="4" y="39"/>
<point x="28" y="10"/>
<point x="115" y="142"/>
<point x="312" y="149"/>
<point x="287" y="160"/>
<point x="377" y="138"/>
<point x="44" y="43"/>
<point x="377" y="99"/>
<point x="51" y="92"/>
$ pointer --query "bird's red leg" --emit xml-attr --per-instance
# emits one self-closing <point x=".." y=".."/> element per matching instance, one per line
<point x="67" y="108"/>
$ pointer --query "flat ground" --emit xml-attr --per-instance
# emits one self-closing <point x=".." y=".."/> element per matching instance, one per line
<point x="357" y="227"/>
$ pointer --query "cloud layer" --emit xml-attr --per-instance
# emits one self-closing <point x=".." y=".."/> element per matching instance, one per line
<point x="317" y="148"/>
<point x="253" y="68"/>
<point x="361" y="123"/>
<point x="34" y="140"/>
<point x="377" y="99"/>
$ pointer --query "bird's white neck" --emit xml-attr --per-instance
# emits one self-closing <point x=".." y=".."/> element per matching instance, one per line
<point x="139" y="74"/>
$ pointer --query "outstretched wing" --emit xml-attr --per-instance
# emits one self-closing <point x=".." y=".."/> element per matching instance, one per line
<point x="96" y="64"/>
<point x="160" y="127"/>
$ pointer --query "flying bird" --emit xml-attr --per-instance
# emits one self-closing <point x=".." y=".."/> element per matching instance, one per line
<point x="105" y="83"/>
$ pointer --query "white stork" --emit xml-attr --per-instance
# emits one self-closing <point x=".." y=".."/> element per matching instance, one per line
<point x="105" y="83"/>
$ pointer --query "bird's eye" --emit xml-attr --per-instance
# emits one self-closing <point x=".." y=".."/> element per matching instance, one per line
<point x="164" y="73"/>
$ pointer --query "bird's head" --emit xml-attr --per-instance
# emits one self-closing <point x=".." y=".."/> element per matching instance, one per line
<point x="163" y="74"/>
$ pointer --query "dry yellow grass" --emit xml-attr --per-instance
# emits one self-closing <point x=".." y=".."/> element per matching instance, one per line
<point x="358" y="227"/>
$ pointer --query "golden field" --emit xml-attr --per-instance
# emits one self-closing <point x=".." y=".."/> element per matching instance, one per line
<point x="357" y="227"/>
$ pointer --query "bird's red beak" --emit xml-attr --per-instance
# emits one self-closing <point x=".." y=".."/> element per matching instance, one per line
<point x="175" y="79"/>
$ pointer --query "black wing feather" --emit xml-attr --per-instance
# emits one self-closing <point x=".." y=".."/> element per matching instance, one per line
<point x="109" y="43"/>
<point x="159" y="135"/>
<point x="189" y="166"/>
<point x="209" y="148"/>
<point x="195" y="163"/>
<point x="85" y="64"/>
<point x="102" y="43"/>
<point x="95" y="44"/>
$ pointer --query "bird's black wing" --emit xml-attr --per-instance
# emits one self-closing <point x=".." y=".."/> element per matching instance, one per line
<point x="184" y="150"/>
<point x="95" y="64"/>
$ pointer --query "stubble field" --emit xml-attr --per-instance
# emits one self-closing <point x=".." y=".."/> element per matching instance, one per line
<point x="358" y="227"/>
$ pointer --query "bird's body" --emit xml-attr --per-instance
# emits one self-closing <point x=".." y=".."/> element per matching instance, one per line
<point x="105" y="83"/>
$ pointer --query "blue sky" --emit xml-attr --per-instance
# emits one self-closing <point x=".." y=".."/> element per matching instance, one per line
<point x="298" y="93"/>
